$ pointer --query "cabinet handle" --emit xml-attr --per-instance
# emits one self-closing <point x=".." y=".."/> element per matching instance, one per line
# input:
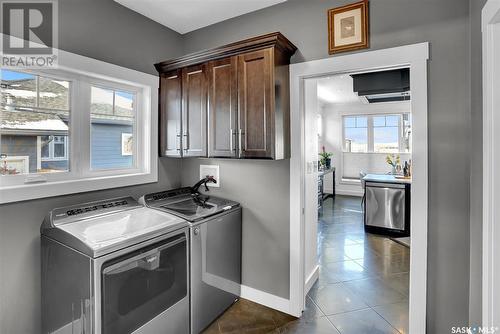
<point x="178" y="142"/>
<point x="186" y="142"/>
<point x="232" y="135"/>
<point x="240" y="140"/>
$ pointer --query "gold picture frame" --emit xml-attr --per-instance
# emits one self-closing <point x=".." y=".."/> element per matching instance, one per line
<point x="348" y="27"/>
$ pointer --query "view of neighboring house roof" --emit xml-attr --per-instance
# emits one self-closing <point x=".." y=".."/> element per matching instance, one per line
<point x="41" y="105"/>
<point x="31" y="121"/>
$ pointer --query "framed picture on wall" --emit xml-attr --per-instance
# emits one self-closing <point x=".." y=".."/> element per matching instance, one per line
<point x="348" y="27"/>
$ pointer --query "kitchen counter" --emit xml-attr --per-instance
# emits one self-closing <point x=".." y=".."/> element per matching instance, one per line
<point x="387" y="178"/>
<point x="326" y="171"/>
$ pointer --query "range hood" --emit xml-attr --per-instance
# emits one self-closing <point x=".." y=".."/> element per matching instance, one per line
<point x="384" y="86"/>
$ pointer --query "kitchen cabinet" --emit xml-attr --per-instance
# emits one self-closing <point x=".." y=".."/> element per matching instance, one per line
<point x="234" y="101"/>
<point x="194" y="111"/>
<point x="223" y="108"/>
<point x="255" y="119"/>
<point x="170" y="126"/>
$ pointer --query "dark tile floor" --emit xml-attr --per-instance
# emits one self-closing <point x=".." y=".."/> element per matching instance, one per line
<point x="362" y="288"/>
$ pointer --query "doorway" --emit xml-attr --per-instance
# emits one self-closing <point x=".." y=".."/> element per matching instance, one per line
<point x="304" y="263"/>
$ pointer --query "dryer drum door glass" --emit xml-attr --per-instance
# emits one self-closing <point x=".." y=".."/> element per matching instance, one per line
<point x="140" y="285"/>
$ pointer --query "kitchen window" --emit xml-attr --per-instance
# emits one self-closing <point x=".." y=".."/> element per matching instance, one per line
<point x="386" y="133"/>
<point x="356" y="134"/>
<point x="377" y="133"/>
<point x="86" y="126"/>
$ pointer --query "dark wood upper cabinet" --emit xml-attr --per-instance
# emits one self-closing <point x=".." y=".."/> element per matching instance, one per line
<point x="234" y="101"/>
<point x="222" y="107"/>
<point x="194" y="111"/>
<point x="255" y="118"/>
<point x="170" y="126"/>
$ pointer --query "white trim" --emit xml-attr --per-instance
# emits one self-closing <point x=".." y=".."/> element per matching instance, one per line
<point x="346" y="192"/>
<point x="266" y="299"/>
<point x="311" y="279"/>
<point x="82" y="71"/>
<point x="415" y="57"/>
<point x="491" y="133"/>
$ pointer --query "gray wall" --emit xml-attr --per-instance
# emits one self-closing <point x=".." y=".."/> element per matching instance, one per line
<point x="263" y="189"/>
<point x="104" y="30"/>
<point x="445" y="24"/>
<point x="476" y="191"/>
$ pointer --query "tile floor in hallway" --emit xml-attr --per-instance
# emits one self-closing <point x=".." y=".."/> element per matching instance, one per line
<point x="362" y="287"/>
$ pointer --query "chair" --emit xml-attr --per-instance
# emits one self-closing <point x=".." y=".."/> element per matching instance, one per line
<point x="362" y="174"/>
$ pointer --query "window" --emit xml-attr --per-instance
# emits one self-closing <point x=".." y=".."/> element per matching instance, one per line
<point x="386" y="134"/>
<point x="112" y="127"/>
<point x="377" y="133"/>
<point x="356" y="134"/>
<point x="35" y="121"/>
<point x="54" y="148"/>
<point x="90" y="126"/>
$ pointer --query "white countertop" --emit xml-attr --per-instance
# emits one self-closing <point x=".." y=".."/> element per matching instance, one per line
<point x="388" y="178"/>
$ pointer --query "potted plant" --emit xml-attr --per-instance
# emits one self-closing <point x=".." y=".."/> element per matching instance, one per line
<point x="325" y="159"/>
<point x="393" y="161"/>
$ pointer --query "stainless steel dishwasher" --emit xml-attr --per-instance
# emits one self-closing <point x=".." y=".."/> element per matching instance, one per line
<point x="387" y="208"/>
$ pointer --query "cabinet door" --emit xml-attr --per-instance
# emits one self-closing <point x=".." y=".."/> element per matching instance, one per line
<point x="170" y="125"/>
<point x="222" y="107"/>
<point x="194" y="111"/>
<point x="256" y="101"/>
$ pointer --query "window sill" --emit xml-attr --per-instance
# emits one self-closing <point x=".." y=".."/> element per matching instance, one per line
<point x="18" y="193"/>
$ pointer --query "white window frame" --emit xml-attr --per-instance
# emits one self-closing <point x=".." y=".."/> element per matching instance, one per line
<point x="82" y="72"/>
<point x="371" y="135"/>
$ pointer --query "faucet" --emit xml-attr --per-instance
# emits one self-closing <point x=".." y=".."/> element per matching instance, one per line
<point x="204" y="181"/>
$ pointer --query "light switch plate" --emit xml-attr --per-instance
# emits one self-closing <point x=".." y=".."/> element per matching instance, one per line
<point x="211" y="170"/>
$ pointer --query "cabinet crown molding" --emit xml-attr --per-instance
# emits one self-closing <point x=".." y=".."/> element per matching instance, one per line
<point x="275" y="39"/>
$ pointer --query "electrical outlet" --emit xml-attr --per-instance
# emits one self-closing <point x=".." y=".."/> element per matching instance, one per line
<point x="210" y="170"/>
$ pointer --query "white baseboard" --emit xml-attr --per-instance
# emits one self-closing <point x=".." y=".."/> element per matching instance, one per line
<point x="266" y="299"/>
<point x="346" y="192"/>
<point x="311" y="279"/>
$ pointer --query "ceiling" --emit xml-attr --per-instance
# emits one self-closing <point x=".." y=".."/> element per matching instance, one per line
<point x="184" y="16"/>
<point x="337" y="89"/>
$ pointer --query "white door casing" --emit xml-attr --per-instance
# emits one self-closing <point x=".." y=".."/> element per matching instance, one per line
<point x="415" y="57"/>
<point x="311" y="268"/>
<point x="491" y="159"/>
